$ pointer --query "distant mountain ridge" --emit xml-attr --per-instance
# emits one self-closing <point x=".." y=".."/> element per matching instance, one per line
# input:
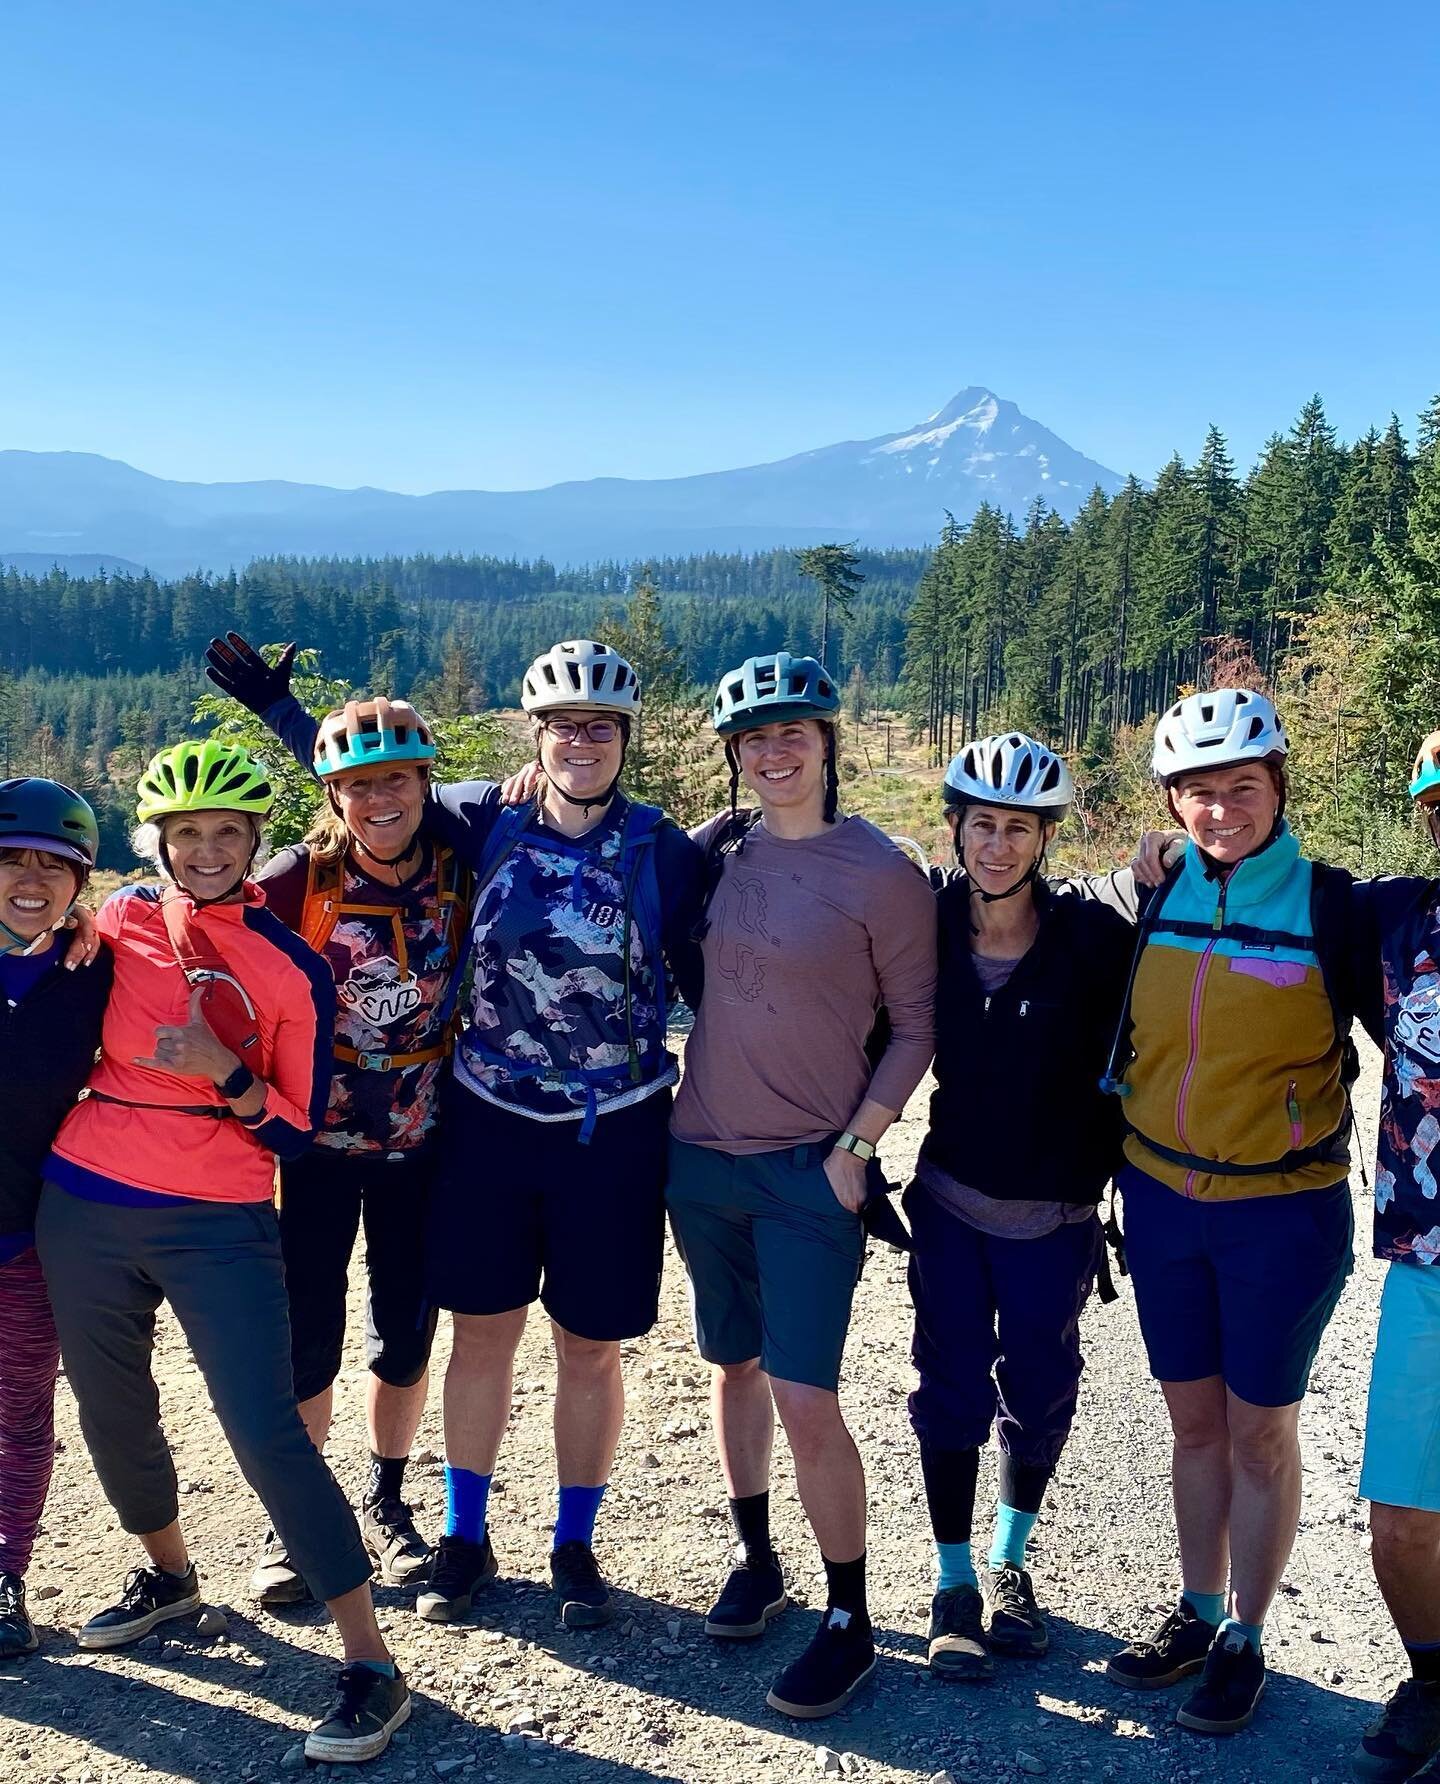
<point x="892" y="490"/>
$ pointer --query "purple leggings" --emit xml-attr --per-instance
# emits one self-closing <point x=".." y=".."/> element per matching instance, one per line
<point x="29" y="1364"/>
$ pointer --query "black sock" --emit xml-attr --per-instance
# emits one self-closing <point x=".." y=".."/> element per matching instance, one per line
<point x="387" y="1477"/>
<point x="950" y="1476"/>
<point x="1023" y="1484"/>
<point x="1425" y="1661"/>
<point x="845" y="1581"/>
<point x="751" y="1518"/>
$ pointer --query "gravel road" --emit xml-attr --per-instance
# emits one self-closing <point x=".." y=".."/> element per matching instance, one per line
<point x="651" y="1697"/>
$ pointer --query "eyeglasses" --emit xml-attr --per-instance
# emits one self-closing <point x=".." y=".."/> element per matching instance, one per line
<point x="595" y="730"/>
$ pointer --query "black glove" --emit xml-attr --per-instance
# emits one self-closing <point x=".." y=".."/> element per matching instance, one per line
<point x="239" y="670"/>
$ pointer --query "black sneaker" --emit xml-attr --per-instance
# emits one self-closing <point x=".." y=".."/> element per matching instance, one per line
<point x="957" y="1635"/>
<point x="149" y="1596"/>
<point x="751" y="1598"/>
<point x="400" y="1553"/>
<point x="276" y="1579"/>
<point x="823" y="1679"/>
<point x="1016" y="1626"/>
<point x="1229" y="1689"/>
<point x="585" y="1601"/>
<point x="458" y="1570"/>
<point x="1402" y="1736"/>
<point x="367" y="1711"/>
<point x="1177" y="1649"/>
<point x="17" y="1632"/>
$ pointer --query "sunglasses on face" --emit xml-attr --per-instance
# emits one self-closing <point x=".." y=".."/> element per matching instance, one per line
<point x="594" y="730"/>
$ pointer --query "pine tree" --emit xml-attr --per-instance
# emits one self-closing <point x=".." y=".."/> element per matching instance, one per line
<point x="836" y="569"/>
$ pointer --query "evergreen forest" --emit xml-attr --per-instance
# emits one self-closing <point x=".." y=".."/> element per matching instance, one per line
<point x="1316" y="573"/>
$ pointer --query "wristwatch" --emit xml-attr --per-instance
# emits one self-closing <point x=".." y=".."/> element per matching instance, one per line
<point x="863" y="1149"/>
<point x="237" y="1083"/>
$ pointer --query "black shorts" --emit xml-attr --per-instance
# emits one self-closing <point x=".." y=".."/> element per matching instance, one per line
<point x="324" y="1195"/>
<point x="521" y="1211"/>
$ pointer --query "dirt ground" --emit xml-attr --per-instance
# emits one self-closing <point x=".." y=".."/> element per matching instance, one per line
<point x="652" y="1697"/>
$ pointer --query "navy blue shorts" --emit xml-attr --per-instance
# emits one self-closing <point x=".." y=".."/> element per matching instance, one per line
<point x="1243" y="1290"/>
<point x="520" y="1211"/>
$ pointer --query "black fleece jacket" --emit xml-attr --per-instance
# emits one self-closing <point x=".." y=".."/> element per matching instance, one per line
<point x="1017" y="1112"/>
<point x="47" y="1047"/>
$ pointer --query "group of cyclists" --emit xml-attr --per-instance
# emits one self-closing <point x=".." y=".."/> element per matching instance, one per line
<point x="443" y="1016"/>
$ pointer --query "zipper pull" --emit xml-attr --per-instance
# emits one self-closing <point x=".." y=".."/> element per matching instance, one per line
<point x="987" y="1003"/>
<point x="1024" y="1006"/>
<point x="1292" y="1103"/>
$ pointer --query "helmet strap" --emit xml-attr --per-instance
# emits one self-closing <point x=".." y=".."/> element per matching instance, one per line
<point x="590" y="800"/>
<point x="220" y="897"/>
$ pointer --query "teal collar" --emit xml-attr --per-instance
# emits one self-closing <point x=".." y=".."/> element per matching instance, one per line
<point x="1251" y="881"/>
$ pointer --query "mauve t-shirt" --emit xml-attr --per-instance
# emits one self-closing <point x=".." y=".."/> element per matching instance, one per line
<point x="807" y="940"/>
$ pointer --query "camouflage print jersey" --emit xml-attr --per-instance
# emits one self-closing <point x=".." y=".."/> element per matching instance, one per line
<point x="1407" y="1178"/>
<point x="548" y="996"/>
<point x="391" y="967"/>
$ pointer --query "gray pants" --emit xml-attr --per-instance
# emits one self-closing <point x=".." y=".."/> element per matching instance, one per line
<point x="218" y="1265"/>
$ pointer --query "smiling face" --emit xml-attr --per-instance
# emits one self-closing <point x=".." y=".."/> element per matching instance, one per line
<point x="997" y="847"/>
<point x="581" y="764"/>
<point x="209" y="851"/>
<point x="784" y="765"/>
<point x="36" y="890"/>
<point x="381" y="807"/>
<point x="1228" y="812"/>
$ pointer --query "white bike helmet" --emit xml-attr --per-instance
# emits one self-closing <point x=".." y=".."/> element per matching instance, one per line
<point x="1217" y="730"/>
<point x="580" y="672"/>
<point x="1011" y="770"/>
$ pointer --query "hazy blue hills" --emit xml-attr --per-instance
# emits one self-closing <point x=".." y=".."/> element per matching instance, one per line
<point x="894" y="490"/>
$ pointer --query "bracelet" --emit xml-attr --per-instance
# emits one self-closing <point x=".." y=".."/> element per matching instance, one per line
<point x="237" y="1083"/>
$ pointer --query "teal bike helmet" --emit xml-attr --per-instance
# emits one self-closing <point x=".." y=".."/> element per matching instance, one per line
<point x="45" y="814"/>
<point x="773" y="690"/>
<point x="368" y="734"/>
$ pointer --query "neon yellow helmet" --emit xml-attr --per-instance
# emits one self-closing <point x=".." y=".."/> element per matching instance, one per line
<point x="207" y="776"/>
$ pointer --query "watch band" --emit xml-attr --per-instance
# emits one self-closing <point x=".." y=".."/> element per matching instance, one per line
<point x="863" y="1149"/>
<point x="237" y="1083"/>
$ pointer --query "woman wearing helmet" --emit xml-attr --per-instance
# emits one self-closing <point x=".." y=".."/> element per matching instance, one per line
<point x="552" y="1139"/>
<point x="1006" y="1241"/>
<point x="214" y="1058"/>
<point x="815" y="922"/>
<point x="1231" y="1059"/>
<point x="386" y="907"/>
<point x="49" y="1030"/>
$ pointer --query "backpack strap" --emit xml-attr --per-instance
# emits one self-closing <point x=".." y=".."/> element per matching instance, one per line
<point x="324" y="887"/>
<point x="641" y="877"/>
<point x="1149" y="902"/>
<point x="1331" y="907"/>
<point x="225" y="1002"/>
<point x="511" y="823"/>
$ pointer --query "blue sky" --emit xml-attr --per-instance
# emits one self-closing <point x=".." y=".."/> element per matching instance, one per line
<point x="449" y="245"/>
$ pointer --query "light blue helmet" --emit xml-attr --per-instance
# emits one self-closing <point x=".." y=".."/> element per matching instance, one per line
<point x="773" y="690"/>
<point x="368" y="733"/>
<point x="1426" y="782"/>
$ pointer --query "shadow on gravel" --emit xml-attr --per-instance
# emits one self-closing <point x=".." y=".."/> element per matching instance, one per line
<point x="1061" y="1709"/>
<point x="163" y="1718"/>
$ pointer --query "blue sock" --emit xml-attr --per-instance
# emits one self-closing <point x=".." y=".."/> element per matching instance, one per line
<point x="386" y="1668"/>
<point x="1012" y="1532"/>
<point x="576" y="1519"/>
<point x="1209" y="1607"/>
<point x="954" y="1567"/>
<point x="466" y="1496"/>
<point x="1252" y="1632"/>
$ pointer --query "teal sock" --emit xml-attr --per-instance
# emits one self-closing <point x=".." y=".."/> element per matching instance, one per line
<point x="386" y="1668"/>
<point x="1209" y="1607"/>
<point x="1012" y="1532"/>
<point x="953" y="1566"/>
<point x="1252" y="1632"/>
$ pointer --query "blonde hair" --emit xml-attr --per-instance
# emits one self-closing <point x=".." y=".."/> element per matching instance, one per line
<point x="145" y="840"/>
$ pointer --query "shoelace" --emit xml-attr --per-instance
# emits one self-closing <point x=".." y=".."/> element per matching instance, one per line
<point x="12" y="1596"/>
<point x="452" y="1563"/>
<point x="1410" y="1710"/>
<point x="1152" y="1644"/>
<point x="1011" y="1597"/>
<point x="396" y="1517"/>
<point x="356" y="1683"/>
<point x="139" y="1588"/>
<point x="579" y="1568"/>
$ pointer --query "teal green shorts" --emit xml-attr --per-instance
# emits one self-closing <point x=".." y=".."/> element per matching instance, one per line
<point x="1402" y="1427"/>
<point x="773" y="1258"/>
